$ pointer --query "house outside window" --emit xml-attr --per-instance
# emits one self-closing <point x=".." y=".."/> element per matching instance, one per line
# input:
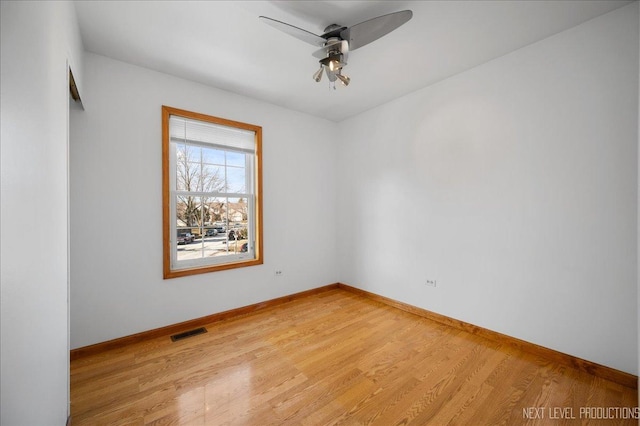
<point x="212" y="203"/>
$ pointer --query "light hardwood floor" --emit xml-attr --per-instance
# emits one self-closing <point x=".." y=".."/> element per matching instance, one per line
<point x="334" y="358"/>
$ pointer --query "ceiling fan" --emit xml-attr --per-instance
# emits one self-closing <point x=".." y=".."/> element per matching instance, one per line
<point x="337" y="41"/>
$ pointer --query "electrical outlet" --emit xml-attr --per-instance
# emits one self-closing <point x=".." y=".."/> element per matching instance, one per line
<point x="431" y="282"/>
<point x="278" y="273"/>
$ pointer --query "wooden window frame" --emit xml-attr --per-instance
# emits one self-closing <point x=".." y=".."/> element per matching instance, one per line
<point x="167" y="112"/>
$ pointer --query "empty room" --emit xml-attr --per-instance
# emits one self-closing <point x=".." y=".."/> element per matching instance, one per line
<point x="318" y="213"/>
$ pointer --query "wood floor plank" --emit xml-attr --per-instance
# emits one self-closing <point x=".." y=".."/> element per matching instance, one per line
<point x="333" y="358"/>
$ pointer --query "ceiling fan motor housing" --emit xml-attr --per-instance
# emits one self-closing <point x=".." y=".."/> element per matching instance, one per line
<point x="334" y="53"/>
<point x="333" y="30"/>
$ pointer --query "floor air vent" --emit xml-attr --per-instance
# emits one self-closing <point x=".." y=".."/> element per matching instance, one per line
<point x="189" y="333"/>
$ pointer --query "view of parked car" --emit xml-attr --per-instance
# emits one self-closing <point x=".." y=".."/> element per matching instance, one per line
<point x="211" y="232"/>
<point x="185" y="238"/>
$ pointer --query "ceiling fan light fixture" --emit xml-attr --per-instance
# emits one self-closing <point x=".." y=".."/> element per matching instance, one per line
<point x="343" y="79"/>
<point x="331" y="75"/>
<point x="317" y="76"/>
<point x="333" y="62"/>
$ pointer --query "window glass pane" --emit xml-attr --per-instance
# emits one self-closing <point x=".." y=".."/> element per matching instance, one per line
<point x="215" y="207"/>
<point x="184" y="241"/>
<point x="194" y="179"/>
<point x="216" y="244"/>
<point x="237" y="236"/>
<point x="180" y="167"/>
<point x="180" y="183"/>
<point x="188" y="211"/>
<point x="224" y="233"/>
<point x="187" y="167"/>
<point x="235" y="159"/>
<point x="185" y="223"/>
<point x="190" y="221"/>
<point x="212" y="178"/>
<point x="236" y="179"/>
<point x="180" y="151"/>
<point x="188" y="153"/>
<point x="212" y="156"/>
<point x="214" y="230"/>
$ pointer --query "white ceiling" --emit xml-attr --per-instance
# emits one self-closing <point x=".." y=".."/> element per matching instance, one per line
<point x="224" y="44"/>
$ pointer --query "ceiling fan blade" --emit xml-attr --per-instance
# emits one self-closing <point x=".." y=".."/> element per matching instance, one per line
<point x="296" y="32"/>
<point x="365" y="32"/>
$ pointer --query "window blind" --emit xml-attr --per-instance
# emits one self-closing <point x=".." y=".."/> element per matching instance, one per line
<point x="210" y="134"/>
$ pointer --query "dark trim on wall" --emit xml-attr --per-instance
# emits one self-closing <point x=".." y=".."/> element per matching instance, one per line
<point x="617" y="376"/>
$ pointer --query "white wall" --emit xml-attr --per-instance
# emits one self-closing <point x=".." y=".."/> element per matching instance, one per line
<point x="514" y="185"/>
<point x="38" y="39"/>
<point x="116" y="235"/>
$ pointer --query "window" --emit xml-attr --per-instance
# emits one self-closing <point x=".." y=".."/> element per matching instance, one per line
<point x="212" y="204"/>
